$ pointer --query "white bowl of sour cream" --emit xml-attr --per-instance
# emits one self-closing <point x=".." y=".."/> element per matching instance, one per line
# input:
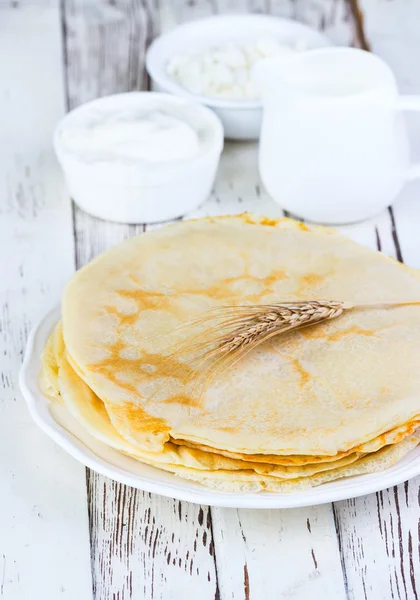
<point x="210" y="60"/>
<point x="139" y="157"/>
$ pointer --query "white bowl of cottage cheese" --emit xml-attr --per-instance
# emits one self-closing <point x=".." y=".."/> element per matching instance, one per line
<point x="211" y="61"/>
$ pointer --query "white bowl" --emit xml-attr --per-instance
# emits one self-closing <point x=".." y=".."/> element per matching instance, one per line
<point x="241" y="118"/>
<point x="137" y="191"/>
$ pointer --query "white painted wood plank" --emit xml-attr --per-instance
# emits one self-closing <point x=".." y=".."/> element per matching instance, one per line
<point x="44" y="539"/>
<point x="379" y="540"/>
<point x="150" y="547"/>
<point x="379" y="534"/>
<point x="143" y="546"/>
<point x="272" y="554"/>
<point x="332" y="16"/>
<point x="238" y="187"/>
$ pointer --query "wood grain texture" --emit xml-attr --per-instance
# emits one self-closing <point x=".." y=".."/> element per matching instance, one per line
<point x="147" y="546"/>
<point x="105" y="46"/>
<point x="143" y="546"/>
<point x="379" y="541"/>
<point x="379" y="533"/>
<point x="43" y="514"/>
<point x="334" y="17"/>
<point x="271" y="554"/>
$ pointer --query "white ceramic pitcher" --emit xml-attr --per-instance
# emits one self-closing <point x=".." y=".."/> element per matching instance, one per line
<point x="333" y="145"/>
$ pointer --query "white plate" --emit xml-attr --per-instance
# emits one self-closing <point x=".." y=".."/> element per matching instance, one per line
<point x="67" y="433"/>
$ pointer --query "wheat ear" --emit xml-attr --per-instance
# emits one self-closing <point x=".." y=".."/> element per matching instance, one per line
<point x="239" y="329"/>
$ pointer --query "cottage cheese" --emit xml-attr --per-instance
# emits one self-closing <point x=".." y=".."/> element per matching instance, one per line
<point x="225" y="71"/>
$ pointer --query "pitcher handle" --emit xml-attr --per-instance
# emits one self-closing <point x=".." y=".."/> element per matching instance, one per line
<point x="411" y="103"/>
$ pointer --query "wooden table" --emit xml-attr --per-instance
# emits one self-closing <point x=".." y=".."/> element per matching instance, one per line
<point x="65" y="530"/>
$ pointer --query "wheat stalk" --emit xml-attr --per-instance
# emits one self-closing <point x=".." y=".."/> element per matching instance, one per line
<point x="234" y="331"/>
<point x="277" y="319"/>
<point x="230" y="332"/>
<point x="250" y="325"/>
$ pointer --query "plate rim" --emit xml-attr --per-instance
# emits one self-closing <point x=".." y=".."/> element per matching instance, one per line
<point x="182" y="489"/>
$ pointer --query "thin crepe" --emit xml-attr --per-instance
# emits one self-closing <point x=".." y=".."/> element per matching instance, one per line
<point x="246" y="482"/>
<point x="50" y="360"/>
<point x="221" y="473"/>
<point x="90" y="412"/>
<point x="320" y="391"/>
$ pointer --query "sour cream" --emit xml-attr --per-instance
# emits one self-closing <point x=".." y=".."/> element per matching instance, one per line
<point x="152" y="136"/>
<point x="139" y="157"/>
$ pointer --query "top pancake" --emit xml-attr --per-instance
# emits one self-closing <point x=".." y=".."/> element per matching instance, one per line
<point x="319" y="391"/>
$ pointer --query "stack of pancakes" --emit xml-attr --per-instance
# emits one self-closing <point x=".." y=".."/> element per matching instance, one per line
<point x="333" y="400"/>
